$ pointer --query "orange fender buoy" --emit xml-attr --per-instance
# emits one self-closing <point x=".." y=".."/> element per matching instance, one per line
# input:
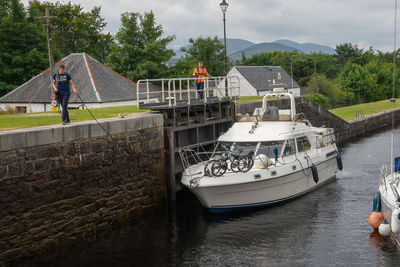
<point x="375" y="219"/>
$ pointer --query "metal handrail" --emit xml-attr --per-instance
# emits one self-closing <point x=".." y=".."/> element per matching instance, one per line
<point x="175" y="91"/>
<point x="359" y="114"/>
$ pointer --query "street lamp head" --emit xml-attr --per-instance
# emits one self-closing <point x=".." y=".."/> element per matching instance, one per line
<point x="224" y="6"/>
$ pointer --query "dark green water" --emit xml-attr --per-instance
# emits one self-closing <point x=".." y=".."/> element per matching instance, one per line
<point x="327" y="227"/>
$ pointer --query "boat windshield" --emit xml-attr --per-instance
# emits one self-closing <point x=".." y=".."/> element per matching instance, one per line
<point x="269" y="148"/>
<point x="235" y="147"/>
<point x="290" y="148"/>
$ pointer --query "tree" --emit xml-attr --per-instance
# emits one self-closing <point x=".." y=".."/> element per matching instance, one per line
<point x="74" y="30"/>
<point x="352" y="80"/>
<point x="263" y="59"/>
<point x="141" y="50"/>
<point x="379" y="80"/>
<point x="183" y="67"/>
<point x="23" y="47"/>
<point x="210" y="51"/>
<point x="328" y="88"/>
<point x="348" y="52"/>
<point x="320" y="99"/>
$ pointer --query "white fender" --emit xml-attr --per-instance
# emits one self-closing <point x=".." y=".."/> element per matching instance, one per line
<point x="395" y="225"/>
<point x="384" y="228"/>
<point x="261" y="161"/>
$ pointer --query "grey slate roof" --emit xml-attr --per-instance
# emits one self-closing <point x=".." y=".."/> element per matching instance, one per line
<point x="258" y="77"/>
<point x="106" y="85"/>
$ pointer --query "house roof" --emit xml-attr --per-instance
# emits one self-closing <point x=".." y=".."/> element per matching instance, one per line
<point x="262" y="77"/>
<point x="95" y="83"/>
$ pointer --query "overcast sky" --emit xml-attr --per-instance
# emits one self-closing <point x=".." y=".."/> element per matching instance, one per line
<point x="327" y="22"/>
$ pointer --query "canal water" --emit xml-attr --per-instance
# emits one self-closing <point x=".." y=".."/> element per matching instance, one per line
<point x="327" y="227"/>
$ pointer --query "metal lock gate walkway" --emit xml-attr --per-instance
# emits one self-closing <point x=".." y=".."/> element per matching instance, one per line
<point x="188" y="120"/>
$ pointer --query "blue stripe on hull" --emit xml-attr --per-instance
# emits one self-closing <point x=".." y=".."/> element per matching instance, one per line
<point x="264" y="204"/>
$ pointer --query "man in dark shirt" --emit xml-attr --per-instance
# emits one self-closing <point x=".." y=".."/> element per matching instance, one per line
<point x="62" y="83"/>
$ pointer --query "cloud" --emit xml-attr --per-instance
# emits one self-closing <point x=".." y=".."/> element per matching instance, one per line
<point x="363" y="22"/>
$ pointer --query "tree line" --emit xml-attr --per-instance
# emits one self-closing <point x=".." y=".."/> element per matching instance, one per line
<point x="140" y="49"/>
<point x="350" y="76"/>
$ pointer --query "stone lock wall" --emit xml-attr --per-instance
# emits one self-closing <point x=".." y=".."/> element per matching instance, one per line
<point x="63" y="184"/>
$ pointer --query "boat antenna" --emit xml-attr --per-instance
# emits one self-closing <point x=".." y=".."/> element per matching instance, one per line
<point x="393" y="84"/>
<point x="394" y="51"/>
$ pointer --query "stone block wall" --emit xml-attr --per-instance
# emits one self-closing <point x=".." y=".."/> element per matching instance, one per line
<point x="60" y="192"/>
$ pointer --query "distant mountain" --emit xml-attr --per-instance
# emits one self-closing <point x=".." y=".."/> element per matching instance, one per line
<point x="308" y="47"/>
<point x="259" y="49"/>
<point x="235" y="45"/>
<point x="235" y="48"/>
<point x="232" y="46"/>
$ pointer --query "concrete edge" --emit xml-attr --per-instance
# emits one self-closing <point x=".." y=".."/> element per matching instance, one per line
<point x="37" y="136"/>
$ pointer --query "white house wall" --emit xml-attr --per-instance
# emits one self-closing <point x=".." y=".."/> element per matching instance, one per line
<point x="42" y="107"/>
<point x="294" y="91"/>
<point x="246" y="89"/>
<point x="29" y="107"/>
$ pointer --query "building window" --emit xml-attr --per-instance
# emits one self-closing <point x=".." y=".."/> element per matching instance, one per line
<point x="20" y="109"/>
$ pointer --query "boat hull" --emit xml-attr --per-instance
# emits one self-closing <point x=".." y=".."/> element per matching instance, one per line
<point x="265" y="192"/>
<point x="387" y="209"/>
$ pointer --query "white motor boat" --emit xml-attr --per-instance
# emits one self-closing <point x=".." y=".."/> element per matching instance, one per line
<point x="272" y="156"/>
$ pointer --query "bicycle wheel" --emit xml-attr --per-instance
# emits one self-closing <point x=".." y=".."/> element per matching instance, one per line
<point x="207" y="168"/>
<point x="246" y="163"/>
<point x="218" y="168"/>
<point x="235" y="165"/>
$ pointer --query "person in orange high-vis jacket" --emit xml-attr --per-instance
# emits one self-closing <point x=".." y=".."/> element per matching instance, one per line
<point x="200" y="72"/>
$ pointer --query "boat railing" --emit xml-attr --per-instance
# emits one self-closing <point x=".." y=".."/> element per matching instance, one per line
<point x="173" y="91"/>
<point x="394" y="190"/>
<point x="190" y="157"/>
<point x="216" y="162"/>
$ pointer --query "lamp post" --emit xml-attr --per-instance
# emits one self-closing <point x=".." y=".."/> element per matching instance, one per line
<point x="224" y="8"/>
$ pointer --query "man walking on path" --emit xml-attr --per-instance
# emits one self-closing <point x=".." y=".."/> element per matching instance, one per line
<point x="200" y="72"/>
<point x="62" y="83"/>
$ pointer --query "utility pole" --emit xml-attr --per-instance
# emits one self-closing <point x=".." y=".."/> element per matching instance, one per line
<point x="47" y="23"/>
<point x="394" y="53"/>
<point x="291" y="73"/>
<point x="315" y="73"/>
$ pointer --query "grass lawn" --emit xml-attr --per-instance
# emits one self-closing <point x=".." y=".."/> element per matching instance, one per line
<point x="26" y="120"/>
<point x="250" y="98"/>
<point x="254" y="98"/>
<point x="349" y="113"/>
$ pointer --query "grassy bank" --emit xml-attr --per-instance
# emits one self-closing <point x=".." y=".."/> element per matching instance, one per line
<point x="254" y="98"/>
<point x="26" y="120"/>
<point x="250" y="98"/>
<point x="349" y="113"/>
